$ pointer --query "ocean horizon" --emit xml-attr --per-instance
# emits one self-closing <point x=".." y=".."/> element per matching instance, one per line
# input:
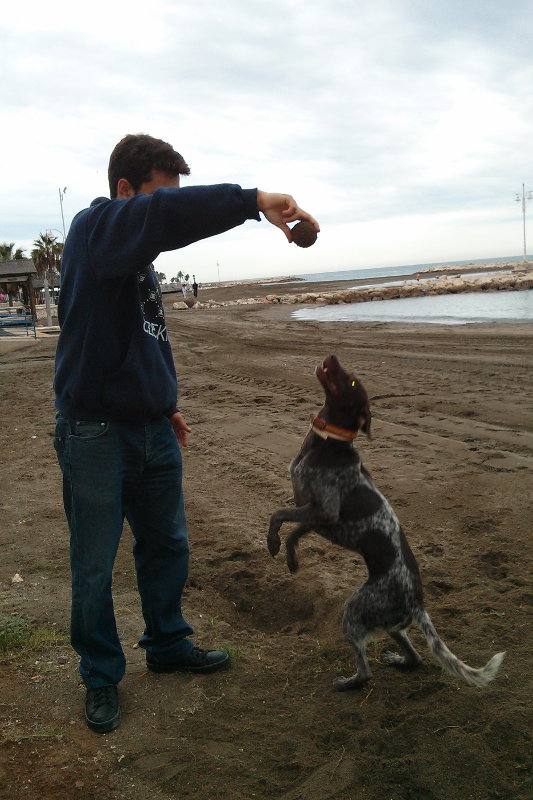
<point x="386" y="272"/>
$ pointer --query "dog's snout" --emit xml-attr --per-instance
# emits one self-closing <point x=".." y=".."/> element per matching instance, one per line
<point x="330" y="362"/>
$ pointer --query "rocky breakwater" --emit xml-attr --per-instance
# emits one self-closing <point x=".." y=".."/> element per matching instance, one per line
<point x="503" y="281"/>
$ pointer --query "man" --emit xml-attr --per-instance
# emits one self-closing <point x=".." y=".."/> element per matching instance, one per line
<point x="119" y="431"/>
<point x="186" y="293"/>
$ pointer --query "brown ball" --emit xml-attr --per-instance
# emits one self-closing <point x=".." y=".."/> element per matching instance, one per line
<point x="303" y="234"/>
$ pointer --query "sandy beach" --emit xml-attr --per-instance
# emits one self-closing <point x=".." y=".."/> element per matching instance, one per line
<point x="452" y="449"/>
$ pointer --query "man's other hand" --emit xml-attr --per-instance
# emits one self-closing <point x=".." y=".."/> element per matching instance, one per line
<point x="181" y="429"/>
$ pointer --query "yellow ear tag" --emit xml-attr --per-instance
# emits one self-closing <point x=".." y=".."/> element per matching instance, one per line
<point x="354" y="383"/>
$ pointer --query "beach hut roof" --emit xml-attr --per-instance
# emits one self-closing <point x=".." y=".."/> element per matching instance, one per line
<point x="15" y="271"/>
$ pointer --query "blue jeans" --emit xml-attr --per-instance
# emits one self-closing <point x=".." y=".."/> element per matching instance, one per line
<point x="112" y="471"/>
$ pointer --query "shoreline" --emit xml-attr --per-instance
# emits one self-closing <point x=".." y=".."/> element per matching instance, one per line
<point x="430" y="282"/>
<point x="488" y="266"/>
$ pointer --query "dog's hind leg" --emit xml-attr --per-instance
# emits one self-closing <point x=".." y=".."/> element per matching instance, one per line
<point x="292" y="540"/>
<point x="363" y="673"/>
<point x="356" y="633"/>
<point x="410" y="658"/>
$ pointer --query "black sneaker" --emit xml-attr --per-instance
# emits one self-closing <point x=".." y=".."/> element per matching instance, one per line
<point x="197" y="660"/>
<point x="102" y="710"/>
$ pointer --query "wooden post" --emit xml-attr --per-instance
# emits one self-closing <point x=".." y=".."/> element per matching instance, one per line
<point x="31" y="292"/>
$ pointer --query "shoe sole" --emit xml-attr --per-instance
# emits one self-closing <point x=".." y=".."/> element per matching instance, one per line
<point x="104" y="727"/>
<point x="168" y="669"/>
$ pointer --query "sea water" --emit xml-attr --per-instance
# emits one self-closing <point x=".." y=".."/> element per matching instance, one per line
<point x="409" y="269"/>
<point x="442" y="309"/>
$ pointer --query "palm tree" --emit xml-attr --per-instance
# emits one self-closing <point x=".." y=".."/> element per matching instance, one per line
<point x="6" y="250"/>
<point x="7" y="254"/>
<point x="46" y="256"/>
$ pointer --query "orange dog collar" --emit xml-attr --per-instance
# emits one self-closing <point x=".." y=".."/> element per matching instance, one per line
<point x="327" y="431"/>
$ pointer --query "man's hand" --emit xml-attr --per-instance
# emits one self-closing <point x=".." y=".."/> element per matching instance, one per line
<point x="279" y="209"/>
<point x="181" y="429"/>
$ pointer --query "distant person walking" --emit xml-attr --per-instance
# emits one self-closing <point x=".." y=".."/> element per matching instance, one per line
<point x="118" y="429"/>
<point x="194" y="286"/>
<point x="185" y="290"/>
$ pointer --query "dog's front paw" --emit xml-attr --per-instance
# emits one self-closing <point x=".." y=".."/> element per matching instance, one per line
<point x="273" y="543"/>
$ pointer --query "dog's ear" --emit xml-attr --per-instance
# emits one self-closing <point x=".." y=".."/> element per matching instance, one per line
<point x="365" y="419"/>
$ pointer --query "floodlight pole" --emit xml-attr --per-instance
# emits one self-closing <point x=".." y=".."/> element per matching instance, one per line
<point x="61" y="196"/>
<point x="523" y="198"/>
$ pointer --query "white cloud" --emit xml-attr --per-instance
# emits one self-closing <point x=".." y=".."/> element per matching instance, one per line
<point x="404" y="127"/>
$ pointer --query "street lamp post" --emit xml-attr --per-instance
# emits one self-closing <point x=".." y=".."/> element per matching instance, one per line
<point x="61" y="196"/>
<point x="522" y="198"/>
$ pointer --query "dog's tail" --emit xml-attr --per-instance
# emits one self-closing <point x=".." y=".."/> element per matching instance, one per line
<point x="475" y="677"/>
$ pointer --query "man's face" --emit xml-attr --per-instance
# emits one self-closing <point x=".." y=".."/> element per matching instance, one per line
<point x="158" y="180"/>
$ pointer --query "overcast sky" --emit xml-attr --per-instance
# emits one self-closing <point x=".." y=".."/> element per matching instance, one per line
<point x="404" y="126"/>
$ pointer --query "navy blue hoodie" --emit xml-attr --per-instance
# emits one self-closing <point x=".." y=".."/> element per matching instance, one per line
<point x="113" y="358"/>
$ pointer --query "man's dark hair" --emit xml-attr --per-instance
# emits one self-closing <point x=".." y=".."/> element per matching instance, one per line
<point x="136" y="155"/>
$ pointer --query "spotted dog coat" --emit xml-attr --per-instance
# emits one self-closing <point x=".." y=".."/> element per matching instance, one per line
<point x="336" y="497"/>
